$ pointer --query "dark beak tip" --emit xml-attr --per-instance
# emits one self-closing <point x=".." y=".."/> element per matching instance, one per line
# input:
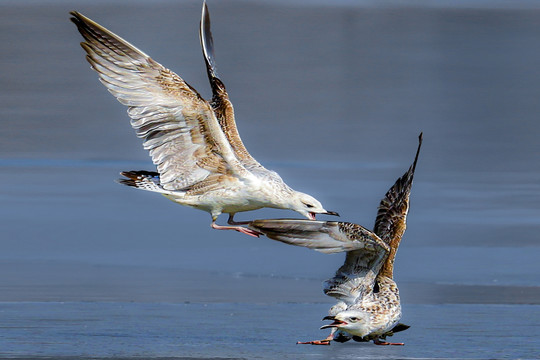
<point x="329" y="317"/>
<point x="327" y="326"/>
<point x="332" y="213"/>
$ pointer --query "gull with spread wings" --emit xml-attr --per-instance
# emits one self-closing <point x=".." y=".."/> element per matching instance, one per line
<point x="201" y="160"/>
<point x="368" y="305"/>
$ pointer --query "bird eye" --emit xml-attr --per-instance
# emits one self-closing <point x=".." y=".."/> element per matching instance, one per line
<point x="354" y="318"/>
<point x="309" y="206"/>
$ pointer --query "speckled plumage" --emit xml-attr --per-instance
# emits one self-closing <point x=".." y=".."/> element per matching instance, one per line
<point x="368" y="306"/>
<point x="201" y="160"/>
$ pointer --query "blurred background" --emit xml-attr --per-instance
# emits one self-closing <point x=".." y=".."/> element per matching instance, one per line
<point x="331" y="95"/>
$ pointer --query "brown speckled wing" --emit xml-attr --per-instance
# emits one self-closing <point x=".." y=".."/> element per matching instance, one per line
<point x="179" y="128"/>
<point x="220" y="98"/>
<point x="365" y="250"/>
<point x="357" y="275"/>
<point x="324" y="236"/>
<point x="390" y="223"/>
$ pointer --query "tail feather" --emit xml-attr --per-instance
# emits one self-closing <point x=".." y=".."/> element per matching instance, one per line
<point x="144" y="180"/>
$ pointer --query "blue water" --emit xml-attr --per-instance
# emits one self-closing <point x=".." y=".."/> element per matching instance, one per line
<point x="333" y="99"/>
<point x="265" y="331"/>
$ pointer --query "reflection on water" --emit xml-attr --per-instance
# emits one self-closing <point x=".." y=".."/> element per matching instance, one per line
<point x="333" y="99"/>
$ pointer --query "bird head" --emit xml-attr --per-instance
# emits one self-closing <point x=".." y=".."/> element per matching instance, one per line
<point x="307" y="205"/>
<point x="354" y="322"/>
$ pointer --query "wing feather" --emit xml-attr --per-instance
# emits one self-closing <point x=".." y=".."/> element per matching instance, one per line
<point x="221" y="104"/>
<point x="179" y="128"/>
<point x="391" y="220"/>
<point x="324" y="236"/>
<point x="357" y="274"/>
<point x="394" y="206"/>
<point x="365" y="250"/>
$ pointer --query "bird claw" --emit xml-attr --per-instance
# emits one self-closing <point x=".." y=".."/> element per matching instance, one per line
<point x="379" y="342"/>
<point x="249" y="232"/>
<point x="241" y="229"/>
<point x="315" y="342"/>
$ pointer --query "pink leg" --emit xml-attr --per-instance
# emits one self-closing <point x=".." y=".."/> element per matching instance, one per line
<point x="379" y="342"/>
<point x="318" y="342"/>
<point x="237" y="228"/>
<point x="231" y="221"/>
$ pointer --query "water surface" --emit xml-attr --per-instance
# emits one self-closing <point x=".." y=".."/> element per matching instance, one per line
<point x="333" y="99"/>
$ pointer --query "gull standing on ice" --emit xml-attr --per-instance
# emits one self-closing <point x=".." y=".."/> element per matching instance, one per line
<point x="368" y="305"/>
<point x="201" y="160"/>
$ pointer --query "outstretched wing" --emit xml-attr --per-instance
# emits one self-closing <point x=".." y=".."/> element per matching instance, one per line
<point x="324" y="236"/>
<point x="179" y="128"/>
<point x="220" y="99"/>
<point x="390" y="223"/>
<point x="356" y="276"/>
<point x="365" y="250"/>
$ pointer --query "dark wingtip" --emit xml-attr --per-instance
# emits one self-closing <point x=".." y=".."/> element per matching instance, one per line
<point x="75" y="17"/>
<point x="134" y="178"/>
<point x="400" y="327"/>
<point x="207" y="41"/>
<point x="85" y="25"/>
<point x="133" y="174"/>
<point x="420" y="139"/>
<point x="207" y="45"/>
<point x="127" y="182"/>
<point x="130" y="181"/>
<point x="128" y="174"/>
<point x="205" y="16"/>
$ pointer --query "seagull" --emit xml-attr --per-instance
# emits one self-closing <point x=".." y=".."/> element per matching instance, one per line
<point x="201" y="160"/>
<point x="368" y="306"/>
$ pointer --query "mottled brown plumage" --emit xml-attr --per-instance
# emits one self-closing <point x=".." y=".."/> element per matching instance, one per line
<point x="391" y="220"/>
<point x="221" y="104"/>
<point x="368" y="305"/>
<point x="201" y="160"/>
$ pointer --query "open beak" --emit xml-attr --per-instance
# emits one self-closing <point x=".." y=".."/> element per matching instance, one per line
<point x="337" y="323"/>
<point x="312" y="214"/>
<point x="331" y="213"/>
